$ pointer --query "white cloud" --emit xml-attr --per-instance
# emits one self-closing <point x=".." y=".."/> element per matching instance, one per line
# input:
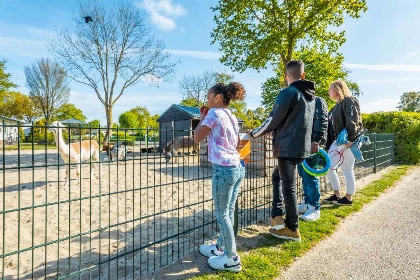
<point x="151" y="79"/>
<point x="12" y="47"/>
<point x="162" y="12"/>
<point x="26" y="31"/>
<point x="384" y="67"/>
<point x="196" y="54"/>
<point x="24" y="40"/>
<point x="383" y="105"/>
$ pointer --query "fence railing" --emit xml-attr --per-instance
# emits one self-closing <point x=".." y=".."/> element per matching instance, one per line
<point x="123" y="217"/>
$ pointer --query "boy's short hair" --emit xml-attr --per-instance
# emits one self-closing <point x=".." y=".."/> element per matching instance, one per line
<point x="295" y="69"/>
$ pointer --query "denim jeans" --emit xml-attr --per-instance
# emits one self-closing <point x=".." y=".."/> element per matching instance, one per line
<point x="284" y="190"/>
<point x="310" y="185"/>
<point x="225" y="188"/>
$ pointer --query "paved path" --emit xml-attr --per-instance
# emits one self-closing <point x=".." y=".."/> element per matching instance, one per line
<point x="380" y="242"/>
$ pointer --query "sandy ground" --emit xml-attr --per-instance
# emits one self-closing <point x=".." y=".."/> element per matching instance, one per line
<point x="112" y="213"/>
<point x="379" y="242"/>
<point x="196" y="264"/>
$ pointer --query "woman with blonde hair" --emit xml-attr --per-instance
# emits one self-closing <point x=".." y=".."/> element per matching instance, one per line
<point x="344" y="115"/>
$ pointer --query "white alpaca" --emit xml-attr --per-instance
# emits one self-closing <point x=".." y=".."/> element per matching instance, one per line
<point x="75" y="152"/>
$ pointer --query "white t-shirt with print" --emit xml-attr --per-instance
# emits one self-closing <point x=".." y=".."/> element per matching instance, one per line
<point x="223" y="137"/>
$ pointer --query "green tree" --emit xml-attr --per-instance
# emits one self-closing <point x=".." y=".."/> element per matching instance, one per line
<point x="320" y="67"/>
<point x="5" y="83"/>
<point x="192" y="102"/>
<point x="128" y="120"/>
<point x="223" y="77"/>
<point x="239" y="109"/>
<point x="94" y="123"/>
<point x="30" y="112"/>
<point x="142" y="115"/>
<point x="410" y="102"/>
<point x="5" y="86"/>
<point x="69" y="111"/>
<point x="20" y="106"/>
<point x="254" y="33"/>
<point x="260" y="114"/>
<point x="153" y="125"/>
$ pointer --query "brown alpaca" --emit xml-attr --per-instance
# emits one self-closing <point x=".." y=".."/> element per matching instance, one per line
<point x="181" y="144"/>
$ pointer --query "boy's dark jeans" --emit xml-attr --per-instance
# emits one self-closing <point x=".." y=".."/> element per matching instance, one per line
<point x="284" y="190"/>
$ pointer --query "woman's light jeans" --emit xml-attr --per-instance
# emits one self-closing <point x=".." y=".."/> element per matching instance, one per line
<point x="225" y="189"/>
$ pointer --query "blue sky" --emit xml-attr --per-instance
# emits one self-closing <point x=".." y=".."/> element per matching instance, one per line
<point x="382" y="50"/>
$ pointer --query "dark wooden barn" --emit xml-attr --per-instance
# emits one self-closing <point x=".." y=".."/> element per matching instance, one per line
<point x="179" y="120"/>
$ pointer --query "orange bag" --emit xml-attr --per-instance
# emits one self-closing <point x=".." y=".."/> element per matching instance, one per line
<point x="244" y="147"/>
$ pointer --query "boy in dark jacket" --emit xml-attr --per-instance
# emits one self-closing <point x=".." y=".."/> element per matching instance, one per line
<point x="291" y="122"/>
<point x="310" y="208"/>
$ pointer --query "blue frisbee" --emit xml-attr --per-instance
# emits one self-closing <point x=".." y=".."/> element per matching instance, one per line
<point x="317" y="164"/>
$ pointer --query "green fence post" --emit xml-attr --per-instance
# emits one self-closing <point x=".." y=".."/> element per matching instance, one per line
<point x="374" y="153"/>
<point x="236" y="217"/>
<point x="393" y="149"/>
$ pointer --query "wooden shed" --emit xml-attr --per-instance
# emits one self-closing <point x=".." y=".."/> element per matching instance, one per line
<point x="179" y="120"/>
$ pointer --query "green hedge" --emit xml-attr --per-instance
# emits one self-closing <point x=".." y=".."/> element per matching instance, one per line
<point x="405" y="126"/>
<point x="121" y="134"/>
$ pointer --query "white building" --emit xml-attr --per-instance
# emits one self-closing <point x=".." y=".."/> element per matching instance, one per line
<point x="10" y="134"/>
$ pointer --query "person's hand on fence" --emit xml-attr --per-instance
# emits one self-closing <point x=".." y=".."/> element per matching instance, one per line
<point x="314" y="147"/>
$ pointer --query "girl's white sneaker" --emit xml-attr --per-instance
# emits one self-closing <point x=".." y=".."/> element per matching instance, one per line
<point x="223" y="262"/>
<point x="210" y="250"/>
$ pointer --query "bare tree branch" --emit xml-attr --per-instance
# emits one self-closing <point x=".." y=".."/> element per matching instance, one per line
<point x="116" y="49"/>
<point x="48" y="86"/>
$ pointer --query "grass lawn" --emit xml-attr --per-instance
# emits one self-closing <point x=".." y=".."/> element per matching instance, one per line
<point x="272" y="255"/>
<point x="28" y="146"/>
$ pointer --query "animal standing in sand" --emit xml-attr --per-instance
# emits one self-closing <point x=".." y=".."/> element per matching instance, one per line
<point x="86" y="150"/>
<point x="180" y="145"/>
<point x="118" y="152"/>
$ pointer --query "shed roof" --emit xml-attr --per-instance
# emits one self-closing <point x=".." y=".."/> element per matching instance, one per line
<point x="72" y="121"/>
<point x="9" y="119"/>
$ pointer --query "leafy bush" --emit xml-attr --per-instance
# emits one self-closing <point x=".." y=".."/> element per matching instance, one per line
<point x="406" y="128"/>
<point x="120" y="135"/>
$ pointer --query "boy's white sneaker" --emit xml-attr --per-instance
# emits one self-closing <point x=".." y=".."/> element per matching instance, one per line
<point x="311" y="214"/>
<point x="302" y="208"/>
<point x="210" y="250"/>
<point x="223" y="262"/>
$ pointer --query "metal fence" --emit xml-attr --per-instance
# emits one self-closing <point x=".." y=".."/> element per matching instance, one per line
<point x="125" y="217"/>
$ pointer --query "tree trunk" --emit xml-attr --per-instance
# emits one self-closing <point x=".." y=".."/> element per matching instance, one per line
<point x="285" y="84"/>
<point x="108" y="110"/>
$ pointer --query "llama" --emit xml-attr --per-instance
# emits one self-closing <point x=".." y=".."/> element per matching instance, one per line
<point x="180" y="145"/>
<point x="74" y="152"/>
